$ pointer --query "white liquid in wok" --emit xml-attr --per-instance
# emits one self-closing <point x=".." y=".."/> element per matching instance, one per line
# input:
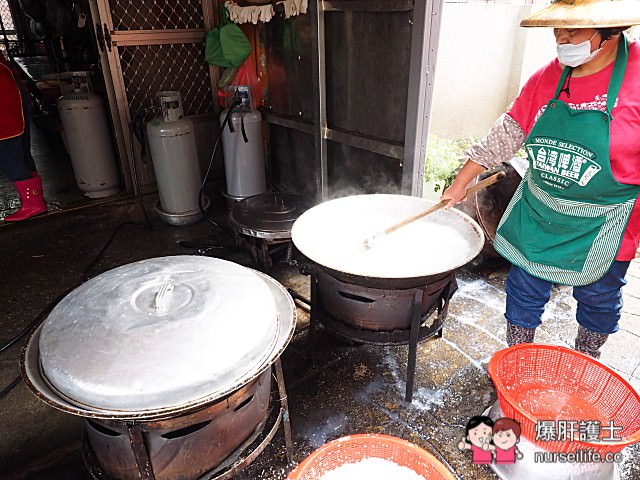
<point x="413" y="250"/>
<point x="372" y="469"/>
<point x="333" y="233"/>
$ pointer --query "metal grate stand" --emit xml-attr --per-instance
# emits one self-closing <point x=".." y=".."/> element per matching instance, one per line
<point x="265" y="252"/>
<point x="229" y="468"/>
<point x="418" y="331"/>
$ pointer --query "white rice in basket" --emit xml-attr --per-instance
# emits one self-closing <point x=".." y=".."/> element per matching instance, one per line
<point x="372" y="469"/>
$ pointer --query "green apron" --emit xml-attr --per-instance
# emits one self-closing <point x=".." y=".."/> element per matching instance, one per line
<point x="566" y="220"/>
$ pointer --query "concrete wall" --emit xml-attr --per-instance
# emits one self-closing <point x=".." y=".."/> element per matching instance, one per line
<point x="484" y="58"/>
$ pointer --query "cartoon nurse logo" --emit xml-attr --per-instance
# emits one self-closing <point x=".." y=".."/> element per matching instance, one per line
<point x="491" y="442"/>
<point x="478" y="439"/>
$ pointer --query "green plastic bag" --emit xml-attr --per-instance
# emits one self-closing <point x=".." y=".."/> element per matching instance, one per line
<point x="226" y="46"/>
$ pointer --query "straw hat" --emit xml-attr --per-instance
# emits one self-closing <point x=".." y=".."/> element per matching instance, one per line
<point x="586" y="14"/>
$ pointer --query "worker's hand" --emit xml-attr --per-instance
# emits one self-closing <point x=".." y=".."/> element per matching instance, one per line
<point x="456" y="193"/>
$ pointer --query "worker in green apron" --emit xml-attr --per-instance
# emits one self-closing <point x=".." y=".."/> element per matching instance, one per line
<point x="574" y="219"/>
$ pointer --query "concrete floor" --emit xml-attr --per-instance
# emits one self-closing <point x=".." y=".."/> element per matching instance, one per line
<point x="55" y="169"/>
<point x="349" y="389"/>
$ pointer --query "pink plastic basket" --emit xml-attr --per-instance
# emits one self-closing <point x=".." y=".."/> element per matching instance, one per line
<point x="354" y="448"/>
<point x="544" y="383"/>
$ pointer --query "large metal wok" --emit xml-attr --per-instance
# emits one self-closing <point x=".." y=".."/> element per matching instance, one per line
<point x="384" y="294"/>
<point x="169" y="360"/>
<point x="331" y="234"/>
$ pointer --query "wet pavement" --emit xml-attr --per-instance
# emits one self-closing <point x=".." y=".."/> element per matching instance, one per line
<point x="347" y="389"/>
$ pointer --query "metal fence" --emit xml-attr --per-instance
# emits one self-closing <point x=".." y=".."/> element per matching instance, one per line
<point x="156" y="14"/>
<point x="7" y="26"/>
<point x="149" y="69"/>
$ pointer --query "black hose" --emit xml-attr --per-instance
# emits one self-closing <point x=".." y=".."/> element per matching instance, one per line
<point x="20" y="334"/>
<point x="205" y="249"/>
<point x="137" y="130"/>
<point x="86" y="275"/>
<point x="213" y="154"/>
<point x="36" y="321"/>
<point x="134" y="169"/>
<point x="5" y="391"/>
<point x="33" y="324"/>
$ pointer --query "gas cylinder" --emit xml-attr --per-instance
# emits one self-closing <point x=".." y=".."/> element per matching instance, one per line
<point x="88" y="139"/>
<point x="243" y="160"/>
<point x="174" y="156"/>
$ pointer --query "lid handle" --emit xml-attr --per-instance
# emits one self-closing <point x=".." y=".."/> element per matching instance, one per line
<point x="161" y="300"/>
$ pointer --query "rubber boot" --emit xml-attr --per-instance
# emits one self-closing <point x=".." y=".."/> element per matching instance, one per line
<point x="589" y="342"/>
<point x="32" y="202"/>
<point x="517" y="334"/>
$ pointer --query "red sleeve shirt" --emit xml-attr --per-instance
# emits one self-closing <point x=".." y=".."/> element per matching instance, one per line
<point x="590" y="93"/>
<point x="11" y="116"/>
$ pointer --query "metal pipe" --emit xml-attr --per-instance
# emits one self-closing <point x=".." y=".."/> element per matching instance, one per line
<point x="424" y="42"/>
<point x="370" y="144"/>
<point x="320" y="94"/>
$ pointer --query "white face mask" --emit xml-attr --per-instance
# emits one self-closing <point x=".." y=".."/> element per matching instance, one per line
<point x="575" y="55"/>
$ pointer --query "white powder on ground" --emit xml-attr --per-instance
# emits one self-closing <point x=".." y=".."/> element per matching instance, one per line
<point x="372" y="469"/>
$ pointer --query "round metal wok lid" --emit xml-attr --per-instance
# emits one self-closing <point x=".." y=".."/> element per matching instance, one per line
<point x="159" y="336"/>
<point x="269" y="215"/>
<point x="332" y="235"/>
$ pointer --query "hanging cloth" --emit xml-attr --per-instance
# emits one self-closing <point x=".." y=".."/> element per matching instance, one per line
<point x="566" y="220"/>
<point x="226" y="46"/>
<point x="245" y="11"/>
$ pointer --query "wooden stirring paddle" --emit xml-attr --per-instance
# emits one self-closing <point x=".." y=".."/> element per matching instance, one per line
<point x="369" y="242"/>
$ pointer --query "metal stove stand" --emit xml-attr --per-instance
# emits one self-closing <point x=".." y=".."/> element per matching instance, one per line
<point x="237" y="461"/>
<point x="418" y="331"/>
<point x="264" y="251"/>
<point x="262" y="224"/>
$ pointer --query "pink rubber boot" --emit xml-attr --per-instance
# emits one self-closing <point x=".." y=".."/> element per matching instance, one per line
<point x="32" y="202"/>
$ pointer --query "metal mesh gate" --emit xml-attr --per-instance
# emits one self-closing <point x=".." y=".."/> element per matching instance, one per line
<point x="149" y="46"/>
<point x="7" y="20"/>
<point x="149" y="69"/>
<point x="156" y="14"/>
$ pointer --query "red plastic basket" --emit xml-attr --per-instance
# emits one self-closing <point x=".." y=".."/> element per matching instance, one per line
<point x="353" y="448"/>
<point x="545" y="383"/>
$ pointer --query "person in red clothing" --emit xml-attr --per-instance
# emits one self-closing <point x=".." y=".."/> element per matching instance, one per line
<point x="16" y="161"/>
<point x="574" y="219"/>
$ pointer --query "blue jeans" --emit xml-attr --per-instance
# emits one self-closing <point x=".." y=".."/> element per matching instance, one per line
<point x="599" y="303"/>
<point x="16" y="162"/>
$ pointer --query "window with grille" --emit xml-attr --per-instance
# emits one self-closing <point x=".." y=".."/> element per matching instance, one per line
<point x="7" y="21"/>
